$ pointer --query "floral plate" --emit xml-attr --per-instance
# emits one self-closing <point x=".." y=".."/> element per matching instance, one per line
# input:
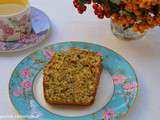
<point x="124" y="79"/>
<point x="40" y="30"/>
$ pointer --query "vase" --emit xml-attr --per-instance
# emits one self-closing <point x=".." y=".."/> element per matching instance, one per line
<point x="124" y="33"/>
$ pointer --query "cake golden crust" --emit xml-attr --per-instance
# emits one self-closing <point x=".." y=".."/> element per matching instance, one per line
<point x="72" y="77"/>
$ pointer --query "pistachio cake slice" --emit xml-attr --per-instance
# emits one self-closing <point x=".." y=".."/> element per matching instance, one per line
<point x="72" y="77"/>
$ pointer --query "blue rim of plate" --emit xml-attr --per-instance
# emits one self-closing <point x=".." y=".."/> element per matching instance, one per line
<point x="40" y="31"/>
<point x="123" y="75"/>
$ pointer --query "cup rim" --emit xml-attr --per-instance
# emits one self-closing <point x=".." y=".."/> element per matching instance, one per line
<point x="27" y="6"/>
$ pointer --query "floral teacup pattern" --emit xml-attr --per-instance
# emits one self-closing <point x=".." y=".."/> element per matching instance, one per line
<point x="40" y="31"/>
<point x="13" y="27"/>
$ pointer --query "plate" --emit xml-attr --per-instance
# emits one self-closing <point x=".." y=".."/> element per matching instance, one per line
<point x="115" y="95"/>
<point x="40" y="31"/>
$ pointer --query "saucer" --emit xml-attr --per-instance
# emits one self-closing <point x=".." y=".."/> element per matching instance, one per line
<point x="116" y="93"/>
<point x="40" y="31"/>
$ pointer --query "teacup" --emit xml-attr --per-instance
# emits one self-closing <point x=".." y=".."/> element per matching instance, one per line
<point x="15" y="20"/>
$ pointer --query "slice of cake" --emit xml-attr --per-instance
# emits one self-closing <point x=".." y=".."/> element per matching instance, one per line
<point x="72" y="77"/>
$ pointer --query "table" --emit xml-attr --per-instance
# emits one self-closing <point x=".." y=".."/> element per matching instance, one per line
<point x="68" y="25"/>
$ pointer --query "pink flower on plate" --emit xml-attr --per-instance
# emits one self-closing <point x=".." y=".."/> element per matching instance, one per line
<point x="32" y="38"/>
<point x="26" y="73"/>
<point x="109" y="114"/>
<point x="2" y="46"/>
<point x="130" y="87"/>
<point x="49" y="54"/>
<point x="99" y="54"/>
<point x="26" y="84"/>
<point x="119" y="79"/>
<point x="17" y="92"/>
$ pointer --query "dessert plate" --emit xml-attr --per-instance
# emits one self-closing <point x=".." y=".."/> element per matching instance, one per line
<point x="40" y="30"/>
<point x="116" y="92"/>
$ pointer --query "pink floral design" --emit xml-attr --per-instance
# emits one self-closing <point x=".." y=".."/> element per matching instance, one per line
<point x="26" y="84"/>
<point x="26" y="73"/>
<point x="99" y="54"/>
<point x="8" y="31"/>
<point x="24" y="20"/>
<point x="1" y="24"/>
<point x="2" y="46"/>
<point x="17" y="92"/>
<point x="29" y="38"/>
<point x="130" y="87"/>
<point x="119" y="79"/>
<point x="13" y="26"/>
<point x="48" y="54"/>
<point x="109" y="114"/>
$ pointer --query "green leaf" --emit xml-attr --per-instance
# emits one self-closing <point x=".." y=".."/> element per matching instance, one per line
<point x="113" y="7"/>
<point x="81" y="2"/>
<point x="99" y="1"/>
<point x="116" y="1"/>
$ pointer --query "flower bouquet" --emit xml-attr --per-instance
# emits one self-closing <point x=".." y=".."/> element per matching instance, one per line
<point x="130" y="18"/>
